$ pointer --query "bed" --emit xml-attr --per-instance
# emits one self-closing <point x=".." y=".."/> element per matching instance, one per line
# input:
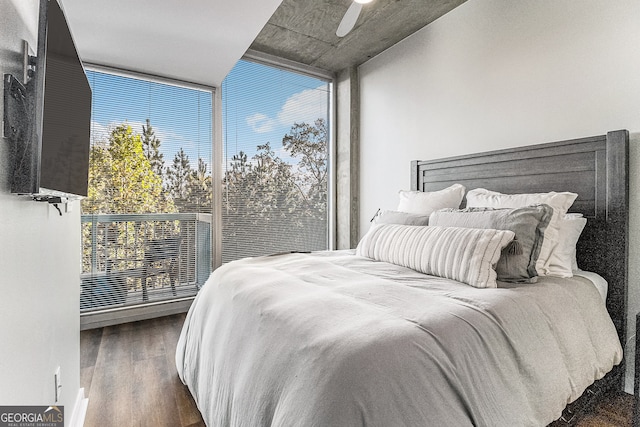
<point x="337" y="338"/>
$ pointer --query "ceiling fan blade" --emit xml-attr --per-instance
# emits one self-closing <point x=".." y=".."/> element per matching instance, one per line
<point x="349" y="19"/>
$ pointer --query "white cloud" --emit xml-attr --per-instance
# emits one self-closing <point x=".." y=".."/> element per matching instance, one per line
<point x="302" y="107"/>
<point x="261" y="123"/>
<point x="282" y="153"/>
<point x="306" y="106"/>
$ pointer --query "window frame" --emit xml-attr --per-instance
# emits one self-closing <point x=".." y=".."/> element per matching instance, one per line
<point x="295" y="67"/>
<point x="88" y="66"/>
<point x="112" y="316"/>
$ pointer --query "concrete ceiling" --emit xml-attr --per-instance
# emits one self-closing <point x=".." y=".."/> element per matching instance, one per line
<point x="304" y="30"/>
<point x="198" y="41"/>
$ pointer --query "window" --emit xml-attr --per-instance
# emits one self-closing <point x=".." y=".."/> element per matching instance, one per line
<point x="275" y="161"/>
<point x="146" y="223"/>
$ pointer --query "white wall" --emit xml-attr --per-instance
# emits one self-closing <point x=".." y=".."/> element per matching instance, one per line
<point x="496" y="74"/>
<point x="39" y="265"/>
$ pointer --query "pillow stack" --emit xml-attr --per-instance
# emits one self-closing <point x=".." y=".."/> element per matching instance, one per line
<point x="555" y="233"/>
<point x="415" y="207"/>
<point x="505" y="237"/>
<point x="529" y="224"/>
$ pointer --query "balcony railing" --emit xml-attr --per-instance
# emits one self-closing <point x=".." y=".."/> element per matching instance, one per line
<point x="130" y="259"/>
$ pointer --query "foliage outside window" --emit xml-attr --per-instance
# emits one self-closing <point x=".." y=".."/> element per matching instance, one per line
<point x="129" y="172"/>
<point x="275" y="182"/>
<point x="149" y="183"/>
<point x="150" y="179"/>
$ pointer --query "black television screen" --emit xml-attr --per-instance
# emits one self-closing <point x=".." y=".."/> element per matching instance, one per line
<point x="51" y="145"/>
<point x="66" y="116"/>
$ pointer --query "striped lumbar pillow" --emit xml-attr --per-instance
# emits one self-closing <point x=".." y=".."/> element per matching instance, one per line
<point x="468" y="255"/>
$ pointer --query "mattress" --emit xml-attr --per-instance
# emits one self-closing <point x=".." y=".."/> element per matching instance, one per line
<point x="330" y="338"/>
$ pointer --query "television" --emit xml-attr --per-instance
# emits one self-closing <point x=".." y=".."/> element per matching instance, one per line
<point x="48" y="120"/>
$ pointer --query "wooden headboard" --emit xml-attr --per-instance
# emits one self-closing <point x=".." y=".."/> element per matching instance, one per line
<point x="595" y="167"/>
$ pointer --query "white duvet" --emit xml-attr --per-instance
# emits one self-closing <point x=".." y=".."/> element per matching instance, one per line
<point x="333" y="339"/>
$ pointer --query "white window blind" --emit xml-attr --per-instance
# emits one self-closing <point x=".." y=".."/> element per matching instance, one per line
<point x="146" y="223"/>
<point x="275" y="161"/>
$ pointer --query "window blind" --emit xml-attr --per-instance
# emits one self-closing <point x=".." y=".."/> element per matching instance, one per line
<point x="146" y="223"/>
<point x="275" y="161"/>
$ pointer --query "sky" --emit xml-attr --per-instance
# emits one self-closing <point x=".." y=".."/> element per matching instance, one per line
<point x="260" y="104"/>
<point x="180" y="117"/>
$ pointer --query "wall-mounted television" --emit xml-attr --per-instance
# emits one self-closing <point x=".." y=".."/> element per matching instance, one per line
<point x="48" y="120"/>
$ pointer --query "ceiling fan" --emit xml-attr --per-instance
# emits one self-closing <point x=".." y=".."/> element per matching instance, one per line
<point x="350" y="17"/>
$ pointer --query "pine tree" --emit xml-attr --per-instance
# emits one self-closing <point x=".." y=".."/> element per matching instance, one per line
<point x="151" y="147"/>
<point x="178" y="180"/>
<point x="200" y="188"/>
<point x="267" y="197"/>
<point x="121" y="179"/>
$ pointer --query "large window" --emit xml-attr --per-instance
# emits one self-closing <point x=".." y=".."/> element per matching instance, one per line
<point x="146" y="223"/>
<point x="275" y="161"/>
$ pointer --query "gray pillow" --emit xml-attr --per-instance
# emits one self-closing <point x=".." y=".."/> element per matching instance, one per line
<point x="518" y="261"/>
<point x="403" y="218"/>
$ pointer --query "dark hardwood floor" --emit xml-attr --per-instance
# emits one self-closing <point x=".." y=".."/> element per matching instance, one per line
<point x="129" y="375"/>
<point x="614" y="410"/>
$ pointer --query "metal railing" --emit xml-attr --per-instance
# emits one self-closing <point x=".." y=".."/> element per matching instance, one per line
<point x="130" y="259"/>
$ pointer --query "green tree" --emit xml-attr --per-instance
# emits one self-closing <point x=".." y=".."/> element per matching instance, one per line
<point x="99" y="171"/>
<point x="308" y="144"/>
<point x="200" y="194"/>
<point x="273" y="205"/>
<point x="178" y="179"/>
<point x="151" y="146"/>
<point x="121" y="178"/>
<point x="236" y="187"/>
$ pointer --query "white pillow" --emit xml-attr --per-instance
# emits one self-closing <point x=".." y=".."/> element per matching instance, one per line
<point x="468" y="255"/>
<point x="425" y="202"/>
<point x="562" y="262"/>
<point x="560" y="202"/>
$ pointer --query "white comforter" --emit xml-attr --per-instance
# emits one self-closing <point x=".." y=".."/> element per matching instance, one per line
<point x="333" y="339"/>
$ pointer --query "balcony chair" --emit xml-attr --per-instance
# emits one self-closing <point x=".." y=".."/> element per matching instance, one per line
<point x="161" y="256"/>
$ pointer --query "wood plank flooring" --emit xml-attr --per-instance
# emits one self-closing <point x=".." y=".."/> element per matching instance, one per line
<point x="129" y="375"/>
<point x="613" y="411"/>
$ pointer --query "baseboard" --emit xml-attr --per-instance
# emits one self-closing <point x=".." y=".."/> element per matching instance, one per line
<point x="79" y="410"/>
<point x="109" y="317"/>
